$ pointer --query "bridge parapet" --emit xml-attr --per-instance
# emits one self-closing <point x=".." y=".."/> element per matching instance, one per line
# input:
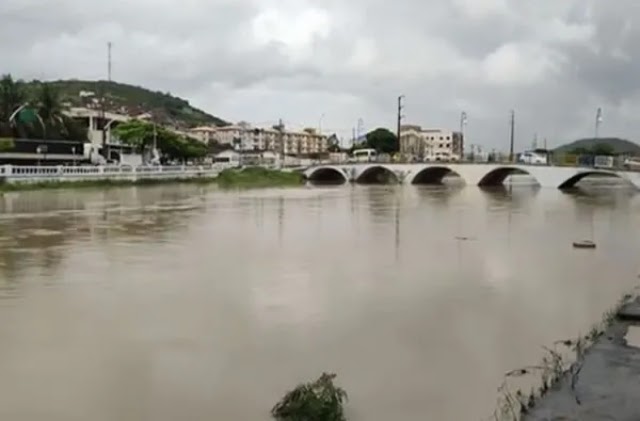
<point x="472" y="174"/>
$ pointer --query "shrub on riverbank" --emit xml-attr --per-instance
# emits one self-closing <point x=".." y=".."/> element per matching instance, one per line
<point x="320" y="400"/>
<point x="258" y="177"/>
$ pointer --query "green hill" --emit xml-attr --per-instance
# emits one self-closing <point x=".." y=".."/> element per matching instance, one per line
<point x="603" y="145"/>
<point x="132" y="100"/>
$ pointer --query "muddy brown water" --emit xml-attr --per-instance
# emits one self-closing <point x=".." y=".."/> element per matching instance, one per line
<point x="185" y="302"/>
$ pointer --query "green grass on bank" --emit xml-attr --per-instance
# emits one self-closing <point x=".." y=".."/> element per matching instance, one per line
<point x="247" y="178"/>
<point x="258" y="177"/>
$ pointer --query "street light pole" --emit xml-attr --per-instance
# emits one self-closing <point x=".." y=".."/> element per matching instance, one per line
<point x="320" y="123"/>
<point x="598" y="122"/>
<point x="400" y="116"/>
<point x="512" y="134"/>
<point x="463" y="123"/>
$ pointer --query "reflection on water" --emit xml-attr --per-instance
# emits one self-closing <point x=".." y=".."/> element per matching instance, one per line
<point x="184" y="302"/>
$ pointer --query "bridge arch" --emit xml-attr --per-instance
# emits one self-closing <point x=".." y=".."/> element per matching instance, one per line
<point x="433" y="175"/>
<point x="575" y="179"/>
<point x="496" y="176"/>
<point x="329" y="175"/>
<point x="377" y="174"/>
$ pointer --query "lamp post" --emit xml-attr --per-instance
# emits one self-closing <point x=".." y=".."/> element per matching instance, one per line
<point x="463" y="123"/>
<point x="598" y="122"/>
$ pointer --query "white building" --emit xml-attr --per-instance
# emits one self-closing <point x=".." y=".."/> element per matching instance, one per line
<point x="431" y="144"/>
<point x="246" y="138"/>
<point x="203" y="134"/>
<point x="96" y="122"/>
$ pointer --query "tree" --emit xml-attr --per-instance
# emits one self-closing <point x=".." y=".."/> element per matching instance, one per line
<point x="602" y="149"/>
<point x="140" y="134"/>
<point x="382" y="140"/>
<point x="12" y="97"/>
<point x="49" y="111"/>
<point x="320" y="400"/>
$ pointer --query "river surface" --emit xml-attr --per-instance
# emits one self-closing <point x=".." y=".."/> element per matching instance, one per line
<point x="184" y="302"/>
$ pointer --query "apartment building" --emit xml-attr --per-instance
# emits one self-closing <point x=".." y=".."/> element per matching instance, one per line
<point x="431" y="144"/>
<point x="246" y="138"/>
<point x="203" y="134"/>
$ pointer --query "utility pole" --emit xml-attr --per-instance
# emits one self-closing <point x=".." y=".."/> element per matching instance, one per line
<point x="400" y="117"/>
<point x="513" y="126"/>
<point x="280" y="128"/>
<point x="105" y="146"/>
<point x="463" y="123"/>
<point x="598" y="122"/>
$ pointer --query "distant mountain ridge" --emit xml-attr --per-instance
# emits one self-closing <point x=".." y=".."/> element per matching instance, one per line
<point x="132" y="100"/>
<point x="615" y="145"/>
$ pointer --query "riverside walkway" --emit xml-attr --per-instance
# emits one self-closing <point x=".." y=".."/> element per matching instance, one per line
<point x="606" y="385"/>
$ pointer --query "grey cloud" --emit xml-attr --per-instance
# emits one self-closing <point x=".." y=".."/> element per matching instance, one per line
<point x="433" y="51"/>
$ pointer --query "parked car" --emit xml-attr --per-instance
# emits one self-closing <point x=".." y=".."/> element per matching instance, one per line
<point x="532" y="158"/>
<point x="632" y="164"/>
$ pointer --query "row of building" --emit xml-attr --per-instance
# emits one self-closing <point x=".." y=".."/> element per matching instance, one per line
<point x="415" y="142"/>
<point x="241" y="137"/>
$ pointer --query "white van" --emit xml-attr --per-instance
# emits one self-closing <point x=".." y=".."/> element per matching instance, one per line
<point x="365" y="155"/>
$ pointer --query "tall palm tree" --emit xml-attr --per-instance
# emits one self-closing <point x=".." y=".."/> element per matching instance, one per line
<point x="49" y="109"/>
<point x="12" y="97"/>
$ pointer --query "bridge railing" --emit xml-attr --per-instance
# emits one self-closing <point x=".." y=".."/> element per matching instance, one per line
<point x="615" y="163"/>
<point x="84" y="172"/>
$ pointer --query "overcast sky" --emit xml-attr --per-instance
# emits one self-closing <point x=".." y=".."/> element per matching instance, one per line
<point x="553" y="61"/>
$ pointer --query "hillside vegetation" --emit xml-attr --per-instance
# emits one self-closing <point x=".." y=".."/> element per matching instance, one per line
<point x="128" y="99"/>
<point x="600" y="146"/>
<point x="34" y="113"/>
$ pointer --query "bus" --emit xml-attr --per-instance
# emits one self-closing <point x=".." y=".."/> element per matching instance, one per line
<point x="365" y="155"/>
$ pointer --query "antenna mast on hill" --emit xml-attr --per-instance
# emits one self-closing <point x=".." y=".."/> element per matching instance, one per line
<point x="109" y="61"/>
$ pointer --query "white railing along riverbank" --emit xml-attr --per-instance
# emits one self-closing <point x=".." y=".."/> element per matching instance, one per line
<point x="35" y="174"/>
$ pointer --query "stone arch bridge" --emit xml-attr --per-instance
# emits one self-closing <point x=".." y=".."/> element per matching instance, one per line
<point x="472" y="174"/>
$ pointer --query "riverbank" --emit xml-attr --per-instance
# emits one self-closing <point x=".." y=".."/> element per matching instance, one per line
<point x="229" y="178"/>
<point x="253" y="177"/>
<point x="599" y="380"/>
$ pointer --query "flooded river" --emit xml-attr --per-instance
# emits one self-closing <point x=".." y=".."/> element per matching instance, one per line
<point x="187" y="303"/>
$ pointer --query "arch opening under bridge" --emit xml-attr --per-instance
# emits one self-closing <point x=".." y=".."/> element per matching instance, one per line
<point x="497" y="176"/>
<point x="327" y="175"/>
<point x="434" y="175"/>
<point x="572" y="181"/>
<point x="378" y="174"/>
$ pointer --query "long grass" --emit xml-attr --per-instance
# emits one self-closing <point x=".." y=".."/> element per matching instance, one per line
<point x="252" y="177"/>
